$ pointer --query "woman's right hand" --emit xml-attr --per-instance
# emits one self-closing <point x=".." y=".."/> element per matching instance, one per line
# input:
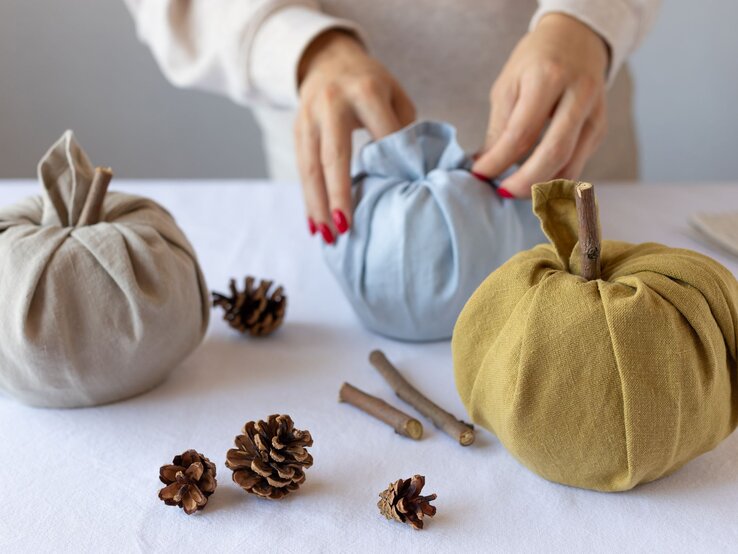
<point x="342" y="88"/>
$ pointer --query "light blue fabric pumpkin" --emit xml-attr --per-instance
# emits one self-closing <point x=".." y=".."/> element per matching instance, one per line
<point x="426" y="233"/>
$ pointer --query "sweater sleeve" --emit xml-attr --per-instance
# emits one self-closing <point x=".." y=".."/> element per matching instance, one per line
<point x="621" y="23"/>
<point x="248" y="50"/>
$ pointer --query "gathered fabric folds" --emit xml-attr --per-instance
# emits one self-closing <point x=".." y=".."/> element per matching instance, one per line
<point x="425" y="233"/>
<point x="93" y="313"/>
<point x="600" y="384"/>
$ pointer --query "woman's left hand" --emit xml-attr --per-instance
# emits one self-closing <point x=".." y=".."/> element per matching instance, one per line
<point x="556" y="73"/>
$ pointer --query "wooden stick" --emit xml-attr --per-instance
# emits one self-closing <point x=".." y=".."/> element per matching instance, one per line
<point x="95" y="197"/>
<point x="589" y="231"/>
<point x="402" y="423"/>
<point x="446" y="422"/>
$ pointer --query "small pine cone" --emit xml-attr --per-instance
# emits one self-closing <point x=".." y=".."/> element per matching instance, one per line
<point x="189" y="480"/>
<point x="402" y="501"/>
<point x="253" y="310"/>
<point x="270" y="457"/>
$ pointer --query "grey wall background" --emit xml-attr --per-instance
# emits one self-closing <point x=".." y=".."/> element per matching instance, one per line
<point x="78" y="64"/>
<point x="687" y="93"/>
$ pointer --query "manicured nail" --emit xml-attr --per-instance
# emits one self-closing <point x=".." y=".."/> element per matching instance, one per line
<point x="504" y="193"/>
<point x="340" y="220"/>
<point x="480" y="176"/>
<point x="311" y="226"/>
<point x="326" y="233"/>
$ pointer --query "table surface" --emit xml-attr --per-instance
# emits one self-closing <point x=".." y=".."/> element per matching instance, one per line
<point x="86" y="480"/>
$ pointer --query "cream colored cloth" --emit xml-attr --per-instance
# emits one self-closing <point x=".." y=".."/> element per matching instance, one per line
<point x="608" y="383"/>
<point x="446" y="54"/>
<point x="720" y="229"/>
<point x="92" y="314"/>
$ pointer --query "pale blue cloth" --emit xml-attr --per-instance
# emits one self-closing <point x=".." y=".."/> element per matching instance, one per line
<point x="425" y="234"/>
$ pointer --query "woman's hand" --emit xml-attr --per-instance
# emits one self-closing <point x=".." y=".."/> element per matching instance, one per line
<point x="556" y="73"/>
<point x="342" y="88"/>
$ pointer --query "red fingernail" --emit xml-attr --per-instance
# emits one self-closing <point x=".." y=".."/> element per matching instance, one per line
<point x="480" y="176"/>
<point x="504" y="193"/>
<point x="311" y="226"/>
<point x="326" y="233"/>
<point x="340" y="220"/>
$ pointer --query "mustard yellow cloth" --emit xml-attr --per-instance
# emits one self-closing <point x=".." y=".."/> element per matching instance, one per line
<point x="600" y="384"/>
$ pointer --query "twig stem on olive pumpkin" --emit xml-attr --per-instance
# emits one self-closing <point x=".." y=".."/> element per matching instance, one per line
<point x="402" y="423"/>
<point x="95" y="197"/>
<point x="589" y="231"/>
<point x="446" y="422"/>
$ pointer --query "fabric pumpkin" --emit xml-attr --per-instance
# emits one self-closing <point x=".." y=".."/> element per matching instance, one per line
<point x="600" y="384"/>
<point x="92" y="314"/>
<point x="426" y="232"/>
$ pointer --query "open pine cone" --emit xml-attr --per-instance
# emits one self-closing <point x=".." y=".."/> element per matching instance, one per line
<point x="270" y="457"/>
<point x="402" y="501"/>
<point x="189" y="480"/>
<point x="253" y="310"/>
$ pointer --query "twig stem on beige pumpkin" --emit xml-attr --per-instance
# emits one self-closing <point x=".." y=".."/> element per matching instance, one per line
<point x="445" y="421"/>
<point x="91" y="211"/>
<point x="589" y="230"/>
<point x="401" y="422"/>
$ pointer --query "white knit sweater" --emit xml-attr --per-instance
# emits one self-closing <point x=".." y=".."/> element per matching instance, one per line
<point x="446" y="54"/>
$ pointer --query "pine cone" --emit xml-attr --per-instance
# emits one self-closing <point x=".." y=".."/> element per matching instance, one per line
<point x="189" y="480"/>
<point x="252" y="310"/>
<point x="402" y="501"/>
<point x="270" y="457"/>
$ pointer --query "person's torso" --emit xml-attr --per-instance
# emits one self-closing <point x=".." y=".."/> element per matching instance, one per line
<point x="447" y="54"/>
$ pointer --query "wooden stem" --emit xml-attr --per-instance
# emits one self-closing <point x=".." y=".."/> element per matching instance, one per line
<point x="446" y="422"/>
<point x="91" y="211"/>
<point x="589" y="231"/>
<point x="402" y="423"/>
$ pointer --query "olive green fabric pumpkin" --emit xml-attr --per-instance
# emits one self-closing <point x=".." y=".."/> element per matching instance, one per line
<point x="600" y="384"/>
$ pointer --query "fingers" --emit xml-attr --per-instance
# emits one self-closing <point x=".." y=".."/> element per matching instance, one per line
<point x="502" y="102"/>
<point x="558" y="144"/>
<point x="323" y="129"/>
<point x="307" y="144"/>
<point x="337" y="121"/>
<point x="592" y="134"/>
<point x="525" y="124"/>
<point x="335" y="157"/>
<point x="374" y="109"/>
<point x="323" y="143"/>
<point x="403" y="107"/>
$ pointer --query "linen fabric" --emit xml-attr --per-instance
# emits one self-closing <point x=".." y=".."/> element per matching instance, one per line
<point x="425" y="233"/>
<point x="92" y="314"/>
<point x="719" y="229"/>
<point x="228" y="381"/>
<point x="600" y="384"/>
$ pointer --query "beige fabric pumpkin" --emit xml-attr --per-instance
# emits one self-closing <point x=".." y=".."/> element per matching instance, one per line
<point x="92" y="314"/>
<point x="600" y="384"/>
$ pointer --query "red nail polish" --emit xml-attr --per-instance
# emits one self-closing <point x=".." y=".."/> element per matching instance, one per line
<point x="340" y="221"/>
<point x="311" y="226"/>
<point x="326" y="233"/>
<point x="504" y="193"/>
<point x="480" y="176"/>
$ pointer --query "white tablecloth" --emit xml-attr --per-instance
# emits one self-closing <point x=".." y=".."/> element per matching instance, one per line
<point x="86" y="480"/>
